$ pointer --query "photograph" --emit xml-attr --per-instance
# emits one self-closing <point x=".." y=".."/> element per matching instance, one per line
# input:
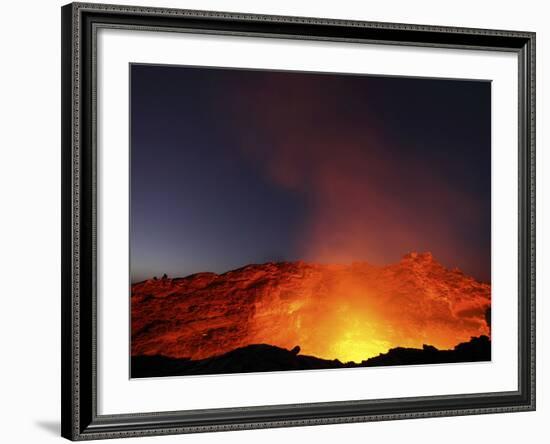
<point x="296" y="220"/>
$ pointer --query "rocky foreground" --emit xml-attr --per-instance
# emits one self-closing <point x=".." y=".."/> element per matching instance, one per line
<point x="263" y="357"/>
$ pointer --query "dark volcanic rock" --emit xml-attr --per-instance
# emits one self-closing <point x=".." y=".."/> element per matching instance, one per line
<point x="263" y="358"/>
<point x="478" y="349"/>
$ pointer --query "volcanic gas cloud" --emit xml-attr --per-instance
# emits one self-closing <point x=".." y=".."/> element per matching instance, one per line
<point x="347" y="312"/>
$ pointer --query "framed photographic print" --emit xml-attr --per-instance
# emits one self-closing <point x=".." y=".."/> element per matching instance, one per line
<point x="281" y="221"/>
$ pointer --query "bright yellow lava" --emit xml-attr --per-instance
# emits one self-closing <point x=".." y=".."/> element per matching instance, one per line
<point x="358" y="341"/>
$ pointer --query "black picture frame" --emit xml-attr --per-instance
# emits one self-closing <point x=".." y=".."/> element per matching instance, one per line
<point x="80" y="420"/>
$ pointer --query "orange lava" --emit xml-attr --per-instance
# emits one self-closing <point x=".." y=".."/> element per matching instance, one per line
<point x="346" y="312"/>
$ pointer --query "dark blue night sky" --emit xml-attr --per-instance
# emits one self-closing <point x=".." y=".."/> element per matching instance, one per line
<point x="232" y="167"/>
